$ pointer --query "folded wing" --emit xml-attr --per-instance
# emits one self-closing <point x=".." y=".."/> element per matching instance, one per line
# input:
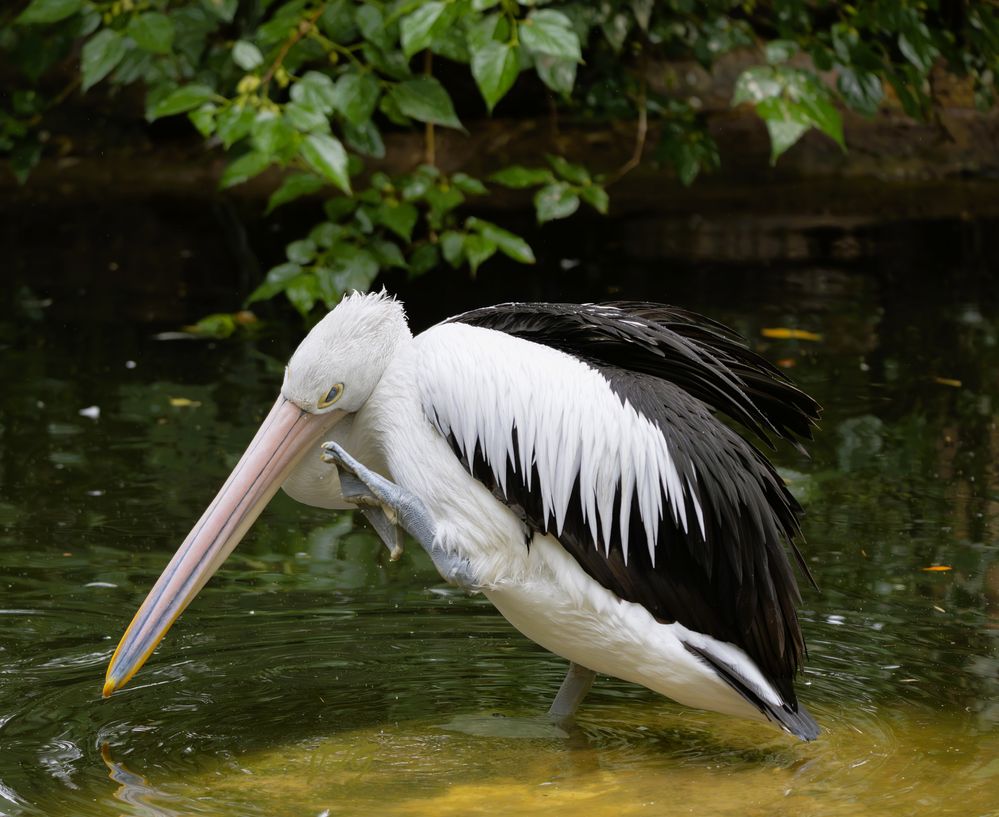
<point x="598" y="425"/>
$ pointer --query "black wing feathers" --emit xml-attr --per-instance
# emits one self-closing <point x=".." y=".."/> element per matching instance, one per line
<point x="676" y="368"/>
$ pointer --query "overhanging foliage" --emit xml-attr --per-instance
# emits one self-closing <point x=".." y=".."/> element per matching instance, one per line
<point x="311" y="86"/>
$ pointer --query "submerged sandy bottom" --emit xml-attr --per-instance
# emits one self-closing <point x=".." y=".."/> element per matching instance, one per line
<point x="621" y="760"/>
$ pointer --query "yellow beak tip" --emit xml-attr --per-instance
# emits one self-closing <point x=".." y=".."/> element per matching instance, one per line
<point x="109" y="687"/>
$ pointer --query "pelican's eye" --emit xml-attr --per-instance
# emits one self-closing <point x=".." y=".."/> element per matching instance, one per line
<point x="331" y="396"/>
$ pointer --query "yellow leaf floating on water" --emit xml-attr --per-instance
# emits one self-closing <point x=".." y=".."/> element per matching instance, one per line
<point x="936" y="568"/>
<point x="183" y="402"/>
<point x="783" y="333"/>
<point x="948" y="381"/>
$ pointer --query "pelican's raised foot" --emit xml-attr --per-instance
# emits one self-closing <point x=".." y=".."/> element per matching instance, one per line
<point x="388" y="506"/>
<point x="381" y="517"/>
<point x="576" y="685"/>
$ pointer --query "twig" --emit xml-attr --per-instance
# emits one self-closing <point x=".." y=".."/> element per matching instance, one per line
<point x="642" y="126"/>
<point x="70" y="86"/>
<point x="303" y="28"/>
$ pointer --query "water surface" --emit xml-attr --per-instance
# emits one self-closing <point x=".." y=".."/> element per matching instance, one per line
<point x="312" y="676"/>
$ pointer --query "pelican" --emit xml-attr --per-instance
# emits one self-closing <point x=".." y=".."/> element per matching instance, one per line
<point x="568" y="462"/>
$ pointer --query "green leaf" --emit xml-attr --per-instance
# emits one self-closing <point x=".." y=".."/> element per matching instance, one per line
<point x="550" y="32"/>
<point x="365" y="223"/>
<point x="555" y="201"/>
<point x="616" y="27"/>
<point x="246" y="55"/>
<point x="244" y="168"/>
<point x="778" y="51"/>
<point x="442" y="200"/>
<point x="519" y="177"/>
<point x="326" y="234"/>
<point x="861" y="90"/>
<point x="391" y="63"/>
<point x="355" y="269"/>
<point x="785" y="123"/>
<point x="216" y="325"/>
<point x="790" y="101"/>
<point x="557" y="74"/>
<point x="416" y="30"/>
<point x="467" y="184"/>
<point x="203" y="119"/>
<point x="49" y="11"/>
<point x="273" y="136"/>
<point x="485" y="30"/>
<point x="101" y="54"/>
<point x="372" y="24"/>
<point x="642" y="9"/>
<point x="423" y="259"/>
<point x="686" y="157"/>
<point x="387" y="253"/>
<point x="337" y="21"/>
<point x="908" y="88"/>
<point x="365" y="139"/>
<point x="152" y="32"/>
<point x="399" y="217"/>
<point x="413" y="186"/>
<point x="568" y="171"/>
<point x="275" y="282"/>
<point x="916" y="44"/>
<point x="356" y="96"/>
<point x="316" y="90"/>
<point x="183" y="99"/>
<point x="453" y="247"/>
<point x="301" y="251"/>
<point x="325" y="154"/>
<point x="225" y="10"/>
<point x="303" y="292"/>
<point x="595" y="196"/>
<point x="452" y="43"/>
<point x="509" y="244"/>
<point x="306" y="118"/>
<point x="425" y="100"/>
<point x="235" y="122"/>
<point x="756" y="84"/>
<point x="495" y="67"/>
<point x="337" y="209"/>
<point x="822" y="114"/>
<point x="293" y="187"/>
<point x="478" y="249"/>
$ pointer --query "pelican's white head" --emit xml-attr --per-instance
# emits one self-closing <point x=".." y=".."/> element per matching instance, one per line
<point x="331" y="375"/>
<point x="338" y="365"/>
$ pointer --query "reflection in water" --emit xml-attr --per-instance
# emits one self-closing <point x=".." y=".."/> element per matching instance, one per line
<point x="134" y="791"/>
<point x="314" y="676"/>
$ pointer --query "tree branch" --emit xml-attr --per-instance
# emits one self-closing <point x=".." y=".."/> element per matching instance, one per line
<point x="641" y="131"/>
<point x="303" y="28"/>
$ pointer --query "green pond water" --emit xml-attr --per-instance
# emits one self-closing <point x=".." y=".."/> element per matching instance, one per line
<point x="314" y="677"/>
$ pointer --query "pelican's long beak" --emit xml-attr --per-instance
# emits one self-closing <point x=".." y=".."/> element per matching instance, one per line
<point x="285" y="437"/>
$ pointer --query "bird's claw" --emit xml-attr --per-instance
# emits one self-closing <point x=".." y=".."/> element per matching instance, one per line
<point x="334" y="454"/>
<point x="382" y="516"/>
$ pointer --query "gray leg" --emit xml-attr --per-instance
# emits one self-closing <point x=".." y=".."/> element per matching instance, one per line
<point x="390" y="506"/>
<point x="577" y="683"/>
